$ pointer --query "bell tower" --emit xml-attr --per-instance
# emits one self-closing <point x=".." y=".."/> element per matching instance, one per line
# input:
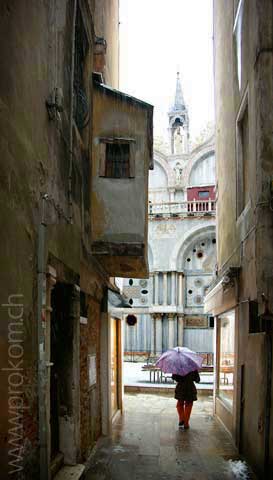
<point x="179" y="122"/>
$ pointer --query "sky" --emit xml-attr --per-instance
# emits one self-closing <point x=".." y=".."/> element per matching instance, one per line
<point x="159" y="38"/>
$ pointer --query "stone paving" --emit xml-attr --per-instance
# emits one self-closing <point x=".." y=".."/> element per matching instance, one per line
<point x="146" y="444"/>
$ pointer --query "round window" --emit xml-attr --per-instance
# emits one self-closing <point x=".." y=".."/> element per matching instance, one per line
<point x="131" y="320"/>
<point x="190" y="292"/>
<point x="199" y="254"/>
<point x="131" y="281"/>
<point x="188" y="259"/>
<point x="131" y="301"/>
<point x="144" y="292"/>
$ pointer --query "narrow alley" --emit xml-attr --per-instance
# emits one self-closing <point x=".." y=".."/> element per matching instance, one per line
<point x="136" y="206"/>
<point x="146" y="444"/>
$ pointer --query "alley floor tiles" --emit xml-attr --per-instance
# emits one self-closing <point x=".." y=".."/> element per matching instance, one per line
<point x="146" y="444"/>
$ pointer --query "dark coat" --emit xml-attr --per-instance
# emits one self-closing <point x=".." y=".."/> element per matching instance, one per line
<point x="185" y="389"/>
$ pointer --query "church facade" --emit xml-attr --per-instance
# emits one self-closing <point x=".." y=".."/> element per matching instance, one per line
<point x="168" y="306"/>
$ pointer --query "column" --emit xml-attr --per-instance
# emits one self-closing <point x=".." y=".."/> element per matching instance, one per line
<point x="158" y="333"/>
<point x="183" y="289"/>
<point x="165" y="288"/>
<point x="173" y="291"/>
<point x="180" y="290"/>
<point x="180" y="327"/>
<point x="171" y="328"/>
<point x="156" y="287"/>
<point x="152" y="346"/>
<point x="172" y="191"/>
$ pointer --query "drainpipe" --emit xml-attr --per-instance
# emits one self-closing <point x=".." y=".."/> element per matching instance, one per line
<point x="42" y="369"/>
<point x="268" y="399"/>
<point x="267" y="319"/>
<point x="70" y="211"/>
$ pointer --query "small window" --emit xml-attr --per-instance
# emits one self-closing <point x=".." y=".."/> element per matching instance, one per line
<point x="203" y="194"/>
<point x="131" y="320"/>
<point x="117" y="162"/>
<point x="117" y="158"/>
<point x="256" y="325"/>
<point x="83" y="305"/>
<point x="211" y="322"/>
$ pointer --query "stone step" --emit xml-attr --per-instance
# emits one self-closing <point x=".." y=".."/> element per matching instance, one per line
<point x="70" y="472"/>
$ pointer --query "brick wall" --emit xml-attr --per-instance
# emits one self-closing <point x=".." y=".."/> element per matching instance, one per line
<point x="90" y="396"/>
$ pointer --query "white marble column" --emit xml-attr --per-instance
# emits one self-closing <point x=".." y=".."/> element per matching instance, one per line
<point x="180" y="326"/>
<point x="173" y="291"/>
<point x="152" y="334"/>
<point x="165" y="288"/>
<point x="172" y="191"/>
<point x="156" y="280"/>
<point x="171" y="328"/>
<point x="180" y="302"/>
<point x="183" y="289"/>
<point x="158" y="333"/>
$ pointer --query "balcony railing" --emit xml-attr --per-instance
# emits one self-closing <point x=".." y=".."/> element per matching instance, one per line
<point x="174" y="209"/>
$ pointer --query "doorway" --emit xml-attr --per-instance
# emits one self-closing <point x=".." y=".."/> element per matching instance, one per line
<point x="61" y="359"/>
<point x="115" y="365"/>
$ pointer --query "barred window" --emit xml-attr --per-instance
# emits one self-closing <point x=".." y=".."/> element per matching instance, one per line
<point x="117" y="160"/>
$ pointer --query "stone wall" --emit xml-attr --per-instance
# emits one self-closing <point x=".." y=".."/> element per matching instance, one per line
<point x="41" y="154"/>
<point x="243" y="91"/>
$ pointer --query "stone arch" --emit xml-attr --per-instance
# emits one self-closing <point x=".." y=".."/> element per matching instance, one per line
<point x="160" y="159"/>
<point x="183" y="244"/>
<point x="158" y="177"/>
<point x="199" y="253"/>
<point x="207" y="173"/>
<point x="202" y="151"/>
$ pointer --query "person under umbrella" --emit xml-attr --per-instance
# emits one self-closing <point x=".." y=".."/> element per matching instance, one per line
<point x="185" y="394"/>
<point x="184" y="364"/>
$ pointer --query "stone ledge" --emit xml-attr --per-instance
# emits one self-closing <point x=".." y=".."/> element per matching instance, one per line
<point x="166" y="390"/>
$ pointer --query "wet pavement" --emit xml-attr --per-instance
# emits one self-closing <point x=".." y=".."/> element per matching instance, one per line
<point x="146" y="444"/>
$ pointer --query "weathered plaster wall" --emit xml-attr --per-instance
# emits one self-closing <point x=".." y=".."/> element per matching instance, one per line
<point x="116" y="216"/>
<point x="32" y="155"/>
<point x="35" y="157"/>
<point x="225" y="137"/>
<point x="244" y="77"/>
<point x="107" y="26"/>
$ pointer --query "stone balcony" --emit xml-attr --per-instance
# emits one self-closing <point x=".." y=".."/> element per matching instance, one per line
<point x="182" y="209"/>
